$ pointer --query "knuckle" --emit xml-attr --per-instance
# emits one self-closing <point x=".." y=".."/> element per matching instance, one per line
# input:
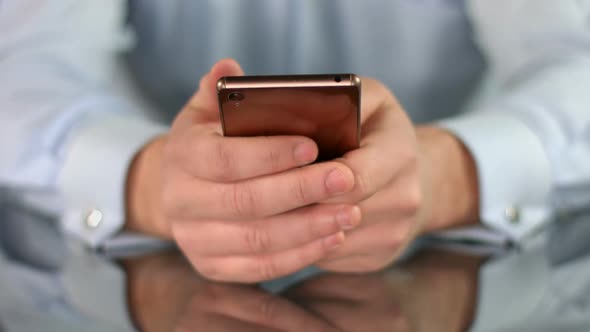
<point x="257" y="239"/>
<point x="272" y="157"/>
<point x="169" y="200"/>
<point x="299" y="190"/>
<point x="267" y="269"/>
<point x="364" y="186"/>
<point x="222" y="165"/>
<point x="412" y="199"/>
<point x="242" y="200"/>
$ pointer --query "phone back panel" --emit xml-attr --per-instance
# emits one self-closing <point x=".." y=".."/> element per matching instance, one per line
<point x="325" y="108"/>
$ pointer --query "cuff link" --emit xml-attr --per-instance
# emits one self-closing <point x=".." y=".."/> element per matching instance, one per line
<point x="93" y="219"/>
<point x="512" y="214"/>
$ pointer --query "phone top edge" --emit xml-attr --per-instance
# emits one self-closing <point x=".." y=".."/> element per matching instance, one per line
<point x="288" y="81"/>
<point x="355" y="80"/>
<point x="220" y="85"/>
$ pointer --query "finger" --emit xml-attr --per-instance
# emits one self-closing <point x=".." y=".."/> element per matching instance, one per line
<point x="206" y="98"/>
<point x="228" y="159"/>
<point x="363" y="248"/>
<point x="398" y="200"/>
<point x="373" y="165"/>
<point x="202" y="107"/>
<point x="278" y="233"/>
<point x="258" y="268"/>
<point x="387" y="143"/>
<point x="259" y="197"/>
<point x="264" y="309"/>
<point x="274" y="194"/>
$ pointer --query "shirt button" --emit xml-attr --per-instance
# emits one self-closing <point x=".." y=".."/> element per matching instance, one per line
<point x="512" y="214"/>
<point x="93" y="219"/>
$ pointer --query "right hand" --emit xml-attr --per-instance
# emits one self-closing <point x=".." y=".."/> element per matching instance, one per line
<point x="240" y="208"/>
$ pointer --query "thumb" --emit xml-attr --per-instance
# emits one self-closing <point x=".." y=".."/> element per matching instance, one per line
<point x="205" y="100"/>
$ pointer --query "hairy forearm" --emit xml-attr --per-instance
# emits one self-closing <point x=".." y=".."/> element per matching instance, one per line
<point x="451" y="180"/>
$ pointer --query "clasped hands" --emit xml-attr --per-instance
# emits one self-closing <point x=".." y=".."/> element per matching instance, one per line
<point x="249" y="209"/>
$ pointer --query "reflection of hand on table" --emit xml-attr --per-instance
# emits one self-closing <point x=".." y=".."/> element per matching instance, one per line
<point x="436" y="291"/>
<point x="165" y="294"/>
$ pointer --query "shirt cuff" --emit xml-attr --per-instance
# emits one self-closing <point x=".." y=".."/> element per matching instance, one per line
<point x="513" y="171"/>
<point x="92" y="180"/>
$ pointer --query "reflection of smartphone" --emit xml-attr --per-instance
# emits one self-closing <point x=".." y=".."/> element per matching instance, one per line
<point x="325" y="108"/>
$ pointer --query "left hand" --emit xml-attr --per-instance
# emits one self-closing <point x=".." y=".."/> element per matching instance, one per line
<point x="399" y="194"/>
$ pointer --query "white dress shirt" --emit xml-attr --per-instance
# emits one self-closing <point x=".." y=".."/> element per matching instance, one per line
<point x="510" y="78"/>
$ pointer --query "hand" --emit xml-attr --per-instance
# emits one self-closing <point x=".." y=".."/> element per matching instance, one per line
<point x="240" y="208"/>
<point x="165" y="294"/>
<point x="435" y="291"/>
<point x="408" y="181"/>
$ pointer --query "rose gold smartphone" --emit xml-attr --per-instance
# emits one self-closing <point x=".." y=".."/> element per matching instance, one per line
<point x="325" y="108"/>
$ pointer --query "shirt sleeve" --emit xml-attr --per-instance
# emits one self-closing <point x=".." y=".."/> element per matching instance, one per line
<point x="66" y="132"/>
<point x="530" y="134"/>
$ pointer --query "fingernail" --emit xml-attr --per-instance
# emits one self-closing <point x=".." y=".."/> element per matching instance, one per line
<point x="336" y="182"/>
<point x="345" y="220"/>
<point x="334" y="240"/>
<point x="304" y="153"/>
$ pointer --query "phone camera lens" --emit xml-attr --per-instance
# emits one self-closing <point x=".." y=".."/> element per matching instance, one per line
<point x="337" y="79"/>
<point x="235" y="96"/>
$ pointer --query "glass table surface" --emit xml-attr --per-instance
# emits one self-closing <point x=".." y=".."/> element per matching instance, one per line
<point x="49" y="282"/>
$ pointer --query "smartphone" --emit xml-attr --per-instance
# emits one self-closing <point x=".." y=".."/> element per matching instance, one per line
<point x="325" y="108"/>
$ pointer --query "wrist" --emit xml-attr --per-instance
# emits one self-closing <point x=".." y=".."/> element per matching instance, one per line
<point x="451" y="177"/>
<point x="143" y="212"/>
